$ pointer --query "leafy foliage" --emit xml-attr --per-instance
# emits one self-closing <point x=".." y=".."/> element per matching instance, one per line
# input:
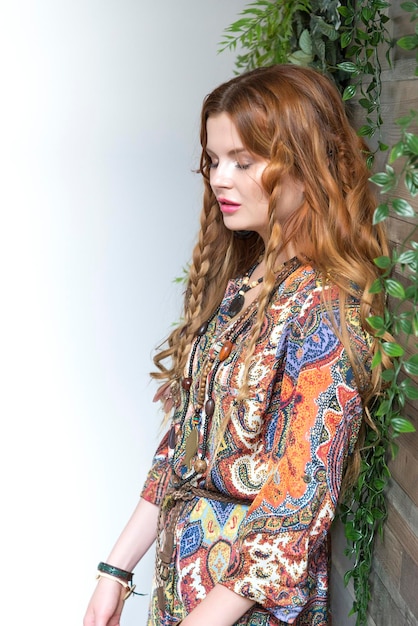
<point x="363" y="34"/>
<point x="410" y="42"/>
<point x="304" y="32"/>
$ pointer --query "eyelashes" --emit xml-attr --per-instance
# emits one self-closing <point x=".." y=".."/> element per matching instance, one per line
<point x="239" y="166"/>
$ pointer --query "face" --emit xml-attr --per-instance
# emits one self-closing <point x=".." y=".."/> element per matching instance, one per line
<point x="235" y="178"/>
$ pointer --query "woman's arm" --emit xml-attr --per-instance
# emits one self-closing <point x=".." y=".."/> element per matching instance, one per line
<point x="136" y="538"/>
<point x="106" y="604"/>
<point x="221" y="607"/>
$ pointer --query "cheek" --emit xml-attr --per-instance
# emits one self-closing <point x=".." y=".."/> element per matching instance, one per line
<point x="257" y="193"/>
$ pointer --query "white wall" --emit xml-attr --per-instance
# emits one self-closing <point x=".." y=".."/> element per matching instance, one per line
<point x="99" y="112"/>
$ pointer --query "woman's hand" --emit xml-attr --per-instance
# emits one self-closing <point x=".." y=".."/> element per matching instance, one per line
<point x="106" y="604"/>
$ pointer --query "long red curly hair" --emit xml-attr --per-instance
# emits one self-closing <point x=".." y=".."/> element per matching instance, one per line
<point x="295" y="118"/>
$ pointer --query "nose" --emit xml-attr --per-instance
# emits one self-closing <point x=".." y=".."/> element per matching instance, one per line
<point x="220" y="177"/>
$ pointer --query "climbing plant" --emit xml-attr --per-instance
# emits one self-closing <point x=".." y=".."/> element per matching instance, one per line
<point x="364" y="34"/>
<point x="364" y="510"/>
<point x="346" y="41"/>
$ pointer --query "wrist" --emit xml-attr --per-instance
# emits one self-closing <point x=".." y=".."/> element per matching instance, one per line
<point x="121" y="576"/>
<point x="112" y="570"/>
<point x="129" y="589"/>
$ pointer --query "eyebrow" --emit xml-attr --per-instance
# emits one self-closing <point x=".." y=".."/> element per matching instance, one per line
<point x="230" y="153"/>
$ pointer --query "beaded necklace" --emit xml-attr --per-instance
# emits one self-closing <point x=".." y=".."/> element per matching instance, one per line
<point x="217" y="354"/>
<point x="238" y="301"/>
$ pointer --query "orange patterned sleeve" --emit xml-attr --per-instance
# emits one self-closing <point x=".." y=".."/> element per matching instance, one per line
<point x="159" y="475"/>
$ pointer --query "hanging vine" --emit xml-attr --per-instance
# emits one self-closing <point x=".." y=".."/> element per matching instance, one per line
<point x="363" y="33"/>
<point x="364" y="510"/>
<point x="346" y="40"/>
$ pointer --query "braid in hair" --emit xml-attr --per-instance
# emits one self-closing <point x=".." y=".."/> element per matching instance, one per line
<point x="217" y="257"/>
<point x="197" y="285"/>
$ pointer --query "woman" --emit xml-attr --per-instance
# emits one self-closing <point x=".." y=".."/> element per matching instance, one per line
<point x="268" y="377"/>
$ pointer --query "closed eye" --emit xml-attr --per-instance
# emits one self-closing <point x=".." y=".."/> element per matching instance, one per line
<point x="240" y="166"/>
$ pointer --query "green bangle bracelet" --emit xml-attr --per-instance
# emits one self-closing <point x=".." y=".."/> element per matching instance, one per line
<point x="115" y="571"/>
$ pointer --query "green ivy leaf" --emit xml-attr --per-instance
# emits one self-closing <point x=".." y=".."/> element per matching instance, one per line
<point x="345" y="11"/>
<point x="405" y="325"/>
<point x="378" y="514"/>
<point x="411" y="293"/>
<point x="411" y="365"/>
<point x="349" y="92"/>
<point x="410" y="389"/>
<point x="408" y="257"/>
<point x="376" y="286"/>
<point x="367" y="13"/>
<point x="345" y="38"/>
<point x="409" y="42"/>
<point x="379" y="484"/>
<point x="361" y="35"/>
<point x="397" y="151"/>
<point x="370" y="161"/>
<point x="405" y="120"/>
<point x="380" y="179"/>
<point x="305" y="42"/>
<point x="300" y="58"/>
<point x="411" y="183"/>
<point x="402" y="425"/>
<point x="353" y="51"/>
<point x="388" y="375"/>
<point x="326" y="29"/>
<point x="351" y="533"/>
<point x="415" y="324"/>
<point x="394" y="448"/>
<point x="393" y="349"/>
<point x="376" y="322"/>
<point x="377" y="359"/>
<point x="366" y="104"/>
<point x="402" y="208"/>
<point x="412" y="140"/>
<point x="409" y="6"/>
<point x="395" y="288"/>
<point x="369" y="518"/>
<point x="381" y="212"/>
<point x="349" y="67"/>
<point x="381" y="4"/>
<point x="382" y="261"/>
<point x="366" y="131"/>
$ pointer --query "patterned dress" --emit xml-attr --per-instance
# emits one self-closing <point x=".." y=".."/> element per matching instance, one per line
<point x="279" y="466"/>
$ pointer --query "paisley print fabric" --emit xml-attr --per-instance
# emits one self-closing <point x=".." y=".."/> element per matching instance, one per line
<point x="205" y="532"/>
<point x="283" y="452"/>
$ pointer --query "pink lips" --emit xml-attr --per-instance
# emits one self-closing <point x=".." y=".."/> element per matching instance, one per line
<point x="228" y="206"/>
